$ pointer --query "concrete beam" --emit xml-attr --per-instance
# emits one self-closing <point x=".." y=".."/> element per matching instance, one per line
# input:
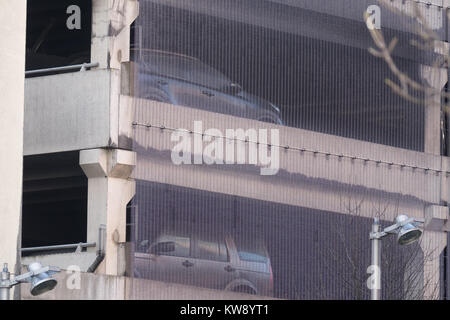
<point x="143" y="289"/>
<point x="126" y="116"/>
<point x="436" y="218"/>
<point x="12" y="67"/>
<point x="303" y="176"/>
<point x="284" y="16"/>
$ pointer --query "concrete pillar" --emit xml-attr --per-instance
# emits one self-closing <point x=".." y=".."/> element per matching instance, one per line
<point x="109" y="191"/>
<point x="110" y="47"/>
<point x="435" y="78"/>
<point x="111" y="20"/>
<point x="12" y="68"/>
<point x="432" y="244"/>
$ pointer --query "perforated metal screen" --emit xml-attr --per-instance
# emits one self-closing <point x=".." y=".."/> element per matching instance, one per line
<point x="349" y="148"/>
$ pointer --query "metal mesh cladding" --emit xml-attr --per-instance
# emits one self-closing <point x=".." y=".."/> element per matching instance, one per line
<point x="349" y="148"/>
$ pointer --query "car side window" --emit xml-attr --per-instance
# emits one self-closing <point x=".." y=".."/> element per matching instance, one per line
<point x="211" y="250"/>
<point x="251" y="250"/>
<point x="182" y="246"/>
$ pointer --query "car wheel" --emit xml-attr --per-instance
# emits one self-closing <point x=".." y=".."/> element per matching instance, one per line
<point x="244" y="289"/>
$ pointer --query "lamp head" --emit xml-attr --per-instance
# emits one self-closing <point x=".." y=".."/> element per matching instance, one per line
<point x="408" y="233"/>
<point x="41" y="282"/>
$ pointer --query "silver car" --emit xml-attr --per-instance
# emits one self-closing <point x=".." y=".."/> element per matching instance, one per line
<point x="182" y="80"/>
<point x="223" y="263"/>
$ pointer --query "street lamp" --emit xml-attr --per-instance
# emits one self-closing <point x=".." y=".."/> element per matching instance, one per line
<point x="37" y="275"/>
<point x="407" y="233"/>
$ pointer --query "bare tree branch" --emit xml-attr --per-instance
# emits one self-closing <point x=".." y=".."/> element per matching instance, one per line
<point x="429" y="41"/>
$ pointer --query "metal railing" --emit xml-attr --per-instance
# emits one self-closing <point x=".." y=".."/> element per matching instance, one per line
<point x="59" y="247"/>
<point x="80" y="67"/>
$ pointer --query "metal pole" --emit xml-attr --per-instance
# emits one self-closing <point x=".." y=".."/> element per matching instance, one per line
<point x="4" y="283"/>
<point x="59" y="247"/>
<point x="81" y="67"/>
<point x="376" y="243"/>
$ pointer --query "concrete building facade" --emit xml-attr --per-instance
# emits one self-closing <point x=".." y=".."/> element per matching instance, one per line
<point x="97" y="151"/>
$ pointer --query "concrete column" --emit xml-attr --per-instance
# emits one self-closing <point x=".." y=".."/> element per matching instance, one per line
<point x="432" y="244"/>
<point x="110" y="47"/>
<point x="111" y="20"/>
<point x="109" y="191"/>
<point x="435" y="78"/>
<point x="12" y="68"/>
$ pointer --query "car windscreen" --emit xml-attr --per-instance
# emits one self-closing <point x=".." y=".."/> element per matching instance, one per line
<point x="184" y="68"/>
<point x="251" y="250"/>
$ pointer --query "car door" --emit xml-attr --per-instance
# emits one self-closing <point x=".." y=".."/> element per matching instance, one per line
<point x="212" y="267"/>
<point x="171" y="265"/>
<point x="228" y="103"/>
<point x="196" y="96"/>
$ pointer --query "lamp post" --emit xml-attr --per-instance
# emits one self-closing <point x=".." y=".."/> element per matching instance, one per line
<point x="407" y="233"/>
<point x="38" y="276"/>
<point x="4" y="281"/>
<point x="376" y="290"/>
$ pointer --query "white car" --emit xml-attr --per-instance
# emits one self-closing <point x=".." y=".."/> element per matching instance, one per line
<point x="223" y="263"/>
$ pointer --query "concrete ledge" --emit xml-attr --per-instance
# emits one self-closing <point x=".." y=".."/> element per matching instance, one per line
<point x="90" y="286"/>
<point x="67" y="112"/>
<point x="141" y="289"/>
<point x="81" y="286"/>
<point x="304" y="179"/>
<point x="436" y="218"/>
